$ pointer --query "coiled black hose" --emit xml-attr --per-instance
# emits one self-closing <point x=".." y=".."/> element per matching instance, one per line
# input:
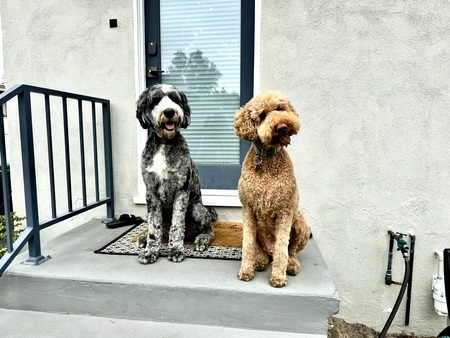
<point x="399" y="298"/>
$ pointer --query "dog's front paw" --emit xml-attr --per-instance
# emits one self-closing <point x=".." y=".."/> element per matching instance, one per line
<point x="148" y="256"/>
<point x="202" y="242"/>
<point x="246" y="275"/>
<point x="293" y="267"/>
<point x="278" y="281"/>
<point x="176" y="255"/>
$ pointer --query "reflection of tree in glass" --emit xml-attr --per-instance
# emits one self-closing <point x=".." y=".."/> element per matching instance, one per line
<point x="194" y="73"/>
<point x="211" y="138"/>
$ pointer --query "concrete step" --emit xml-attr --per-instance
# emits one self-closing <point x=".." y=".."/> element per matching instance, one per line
<point x="35" y="324"/>
<point x="202" y="292"/>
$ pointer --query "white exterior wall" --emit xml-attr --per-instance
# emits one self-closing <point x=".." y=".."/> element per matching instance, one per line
<point x="1" y="53"/>
<point x="69" y="46"/>
<point x="370" y="80"/>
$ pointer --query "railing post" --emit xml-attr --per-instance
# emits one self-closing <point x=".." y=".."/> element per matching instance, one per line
<point x="107" y="140"/>
<point x="5" y="184"/>
<point x="29" y="178"/>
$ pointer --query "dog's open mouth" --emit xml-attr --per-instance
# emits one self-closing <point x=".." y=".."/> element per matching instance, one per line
<point x="280" y="140"/>
<point x="285" y="141"/>
<point x="169" y="126"/>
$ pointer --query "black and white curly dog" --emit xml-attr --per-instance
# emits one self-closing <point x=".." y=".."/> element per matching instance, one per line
<point x="174" y="201"/>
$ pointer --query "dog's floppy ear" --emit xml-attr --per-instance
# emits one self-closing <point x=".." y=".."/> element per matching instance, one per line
<point x="142" y="107"/>
<point x="186" y="110"/>
<point x="244" y="125"/>
<point x="291" y="108"/>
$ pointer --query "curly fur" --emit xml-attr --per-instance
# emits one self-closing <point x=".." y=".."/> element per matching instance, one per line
<point x="174" y="201"/>
<point x="273" y="226"/>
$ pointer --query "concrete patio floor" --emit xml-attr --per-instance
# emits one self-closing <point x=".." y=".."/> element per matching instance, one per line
<point x="201" y="297"/>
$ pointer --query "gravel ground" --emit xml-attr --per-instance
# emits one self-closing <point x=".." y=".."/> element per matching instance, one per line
<point x="339" y="328"/>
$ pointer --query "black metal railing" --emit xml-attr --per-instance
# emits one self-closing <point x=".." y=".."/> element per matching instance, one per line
<point x="99" y="114"/>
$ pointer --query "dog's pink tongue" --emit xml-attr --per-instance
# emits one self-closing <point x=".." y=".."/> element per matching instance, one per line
<point x="170" y="126"/>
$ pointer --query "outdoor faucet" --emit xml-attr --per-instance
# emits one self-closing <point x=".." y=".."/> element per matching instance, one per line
<point x="402" y="245"/>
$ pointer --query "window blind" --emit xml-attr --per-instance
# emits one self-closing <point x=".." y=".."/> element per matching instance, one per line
<point x="200" y="55"/>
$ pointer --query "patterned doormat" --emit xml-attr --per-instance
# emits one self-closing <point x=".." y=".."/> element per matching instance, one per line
<point x="226" y="244"/>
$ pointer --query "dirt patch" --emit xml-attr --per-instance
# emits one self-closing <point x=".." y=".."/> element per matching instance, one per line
<point x="339" y="328"/>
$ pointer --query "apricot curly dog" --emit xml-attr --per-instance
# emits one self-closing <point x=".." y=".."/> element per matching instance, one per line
<point x="273" y="225"/>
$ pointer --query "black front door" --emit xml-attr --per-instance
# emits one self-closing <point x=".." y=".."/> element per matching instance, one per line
<point x="205" y="49"/>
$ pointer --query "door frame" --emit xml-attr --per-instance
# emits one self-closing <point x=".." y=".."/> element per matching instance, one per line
<point x="211" y="197"/>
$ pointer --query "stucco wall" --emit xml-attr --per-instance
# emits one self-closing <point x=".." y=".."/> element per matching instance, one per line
<point x="69" y="46"/>
<point x="1" y="53"/>
<point x="371" y="82"/>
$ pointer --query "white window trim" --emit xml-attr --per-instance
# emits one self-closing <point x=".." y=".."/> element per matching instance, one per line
<point x="211" y="197"/>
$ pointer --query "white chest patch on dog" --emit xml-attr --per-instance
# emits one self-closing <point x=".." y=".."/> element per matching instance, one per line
<point x="159" y="165"/>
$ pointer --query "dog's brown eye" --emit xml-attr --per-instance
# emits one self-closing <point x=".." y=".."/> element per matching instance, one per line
<point x="155" y="101"/>
<point x="262" y="116"/>
<point x="279" y="108"/>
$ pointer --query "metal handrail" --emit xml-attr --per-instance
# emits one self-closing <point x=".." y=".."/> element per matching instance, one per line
<point x="31" y="235"/>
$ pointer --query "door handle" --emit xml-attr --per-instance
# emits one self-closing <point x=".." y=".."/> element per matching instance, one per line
<point x="153" y="72"/>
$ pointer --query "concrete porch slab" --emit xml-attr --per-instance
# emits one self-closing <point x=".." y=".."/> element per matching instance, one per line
<point x="15" y="323"/>
<point x="195" y="291"/>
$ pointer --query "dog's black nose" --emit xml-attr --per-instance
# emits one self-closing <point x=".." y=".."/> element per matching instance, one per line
<point x="281" y="128"/>
<point x="169" y="113"/>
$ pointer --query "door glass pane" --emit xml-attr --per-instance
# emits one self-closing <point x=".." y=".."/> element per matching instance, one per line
<point x="200" y="55"/>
